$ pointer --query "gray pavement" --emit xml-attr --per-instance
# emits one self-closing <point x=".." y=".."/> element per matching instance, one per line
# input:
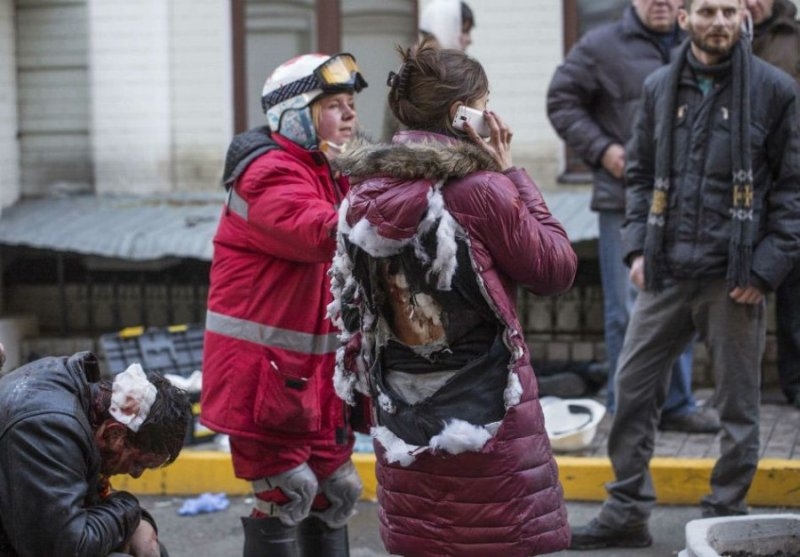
<point x="219" y="534"/>
<point x="779" y="433"/>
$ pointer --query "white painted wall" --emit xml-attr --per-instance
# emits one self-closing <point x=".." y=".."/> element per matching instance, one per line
<point x="201" y="84"/>
<point x="161" y="87"/>
<point x="129" y="80"/>
<point x="520" y="44"/>
<point x="53" y="98"/>
<point x="160" y="84"/>
<point x="9" y="147"/>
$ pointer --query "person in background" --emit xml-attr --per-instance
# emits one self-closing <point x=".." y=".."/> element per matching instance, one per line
<point x="269" y="349"/>
<point x="447" y="23"/>
<point x="64" y="432"/>
<point x="591" y="102"/>
<point x="776" y="39"/>
<point x="712" y="224"/>
<point x="436" y="233"/>
<point x="442" y="23"/>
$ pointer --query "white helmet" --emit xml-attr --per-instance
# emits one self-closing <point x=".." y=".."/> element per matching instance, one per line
<point x="296" y="83"/>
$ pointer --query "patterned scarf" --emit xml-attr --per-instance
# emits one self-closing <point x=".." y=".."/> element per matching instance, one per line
<point x="741" y="211"/>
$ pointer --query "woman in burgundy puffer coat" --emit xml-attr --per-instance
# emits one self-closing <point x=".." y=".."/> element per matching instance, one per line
<point x="434" y="236"/>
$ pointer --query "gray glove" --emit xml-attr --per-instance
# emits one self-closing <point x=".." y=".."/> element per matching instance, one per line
<point x="300" y="485"/>
<point x="342" y="489"/>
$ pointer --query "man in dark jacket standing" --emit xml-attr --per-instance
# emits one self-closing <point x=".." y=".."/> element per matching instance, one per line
<point x="591" y="103"/>
<point x="712" y="223"/>
<point x="63" y="433"/>
<point x="776" y="39"/>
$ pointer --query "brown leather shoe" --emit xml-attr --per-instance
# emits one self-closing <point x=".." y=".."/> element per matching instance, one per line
<point x="700" y="421"/>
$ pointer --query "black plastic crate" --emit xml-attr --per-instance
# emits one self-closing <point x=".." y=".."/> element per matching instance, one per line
<point x="175" y="350"/>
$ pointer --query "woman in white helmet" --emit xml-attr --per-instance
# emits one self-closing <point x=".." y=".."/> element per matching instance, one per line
<point x="269" y="350"/>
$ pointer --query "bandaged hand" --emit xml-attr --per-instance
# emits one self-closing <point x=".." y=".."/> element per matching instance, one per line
<point x="342" y="489"/>
<point x="298" y="484"/>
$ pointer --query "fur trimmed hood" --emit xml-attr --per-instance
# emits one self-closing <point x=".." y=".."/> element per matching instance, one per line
<point x="414" y="155"/>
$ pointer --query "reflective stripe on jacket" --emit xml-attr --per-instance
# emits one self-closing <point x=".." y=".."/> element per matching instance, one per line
<point x="269" y="348"/>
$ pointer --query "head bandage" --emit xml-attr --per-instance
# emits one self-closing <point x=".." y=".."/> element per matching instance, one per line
<point x="132" y="395"/>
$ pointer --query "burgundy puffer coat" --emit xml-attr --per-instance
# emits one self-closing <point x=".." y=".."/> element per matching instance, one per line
<point x="502" y="496"/>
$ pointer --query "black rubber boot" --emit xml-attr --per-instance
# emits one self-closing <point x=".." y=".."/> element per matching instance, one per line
<point x="269" y="537"/>
<point x="318" y="540"/>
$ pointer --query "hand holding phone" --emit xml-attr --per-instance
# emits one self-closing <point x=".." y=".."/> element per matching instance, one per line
<point x="475" y="119"/>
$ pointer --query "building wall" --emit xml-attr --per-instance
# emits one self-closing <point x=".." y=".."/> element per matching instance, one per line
<point x="161" y="85"/>
<point x="201" y="100"/>
<point x="520" y="44"/>
<point x="129" y="61"/>
<point x="371" y="33"/>
<point x="9" y="149"/>
<point x="53" y="98"/>
<point x="274" y="32"/>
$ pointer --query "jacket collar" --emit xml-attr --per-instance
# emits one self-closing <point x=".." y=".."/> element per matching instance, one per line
<point x="632" y="25"/>
<point x="416" y="136"/>
<point x="312" y="157"/>
<point x="415" y="155"/>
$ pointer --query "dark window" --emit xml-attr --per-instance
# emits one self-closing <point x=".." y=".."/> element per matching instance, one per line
<point x="579" y="17"/>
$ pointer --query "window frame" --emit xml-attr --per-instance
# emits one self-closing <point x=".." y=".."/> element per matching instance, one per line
<point x="575" y="170"/>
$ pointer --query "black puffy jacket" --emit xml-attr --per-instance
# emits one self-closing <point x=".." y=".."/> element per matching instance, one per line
<point x="50" y="465"/>
<point x="593" y="95"/>
<point x="698" y="220"/>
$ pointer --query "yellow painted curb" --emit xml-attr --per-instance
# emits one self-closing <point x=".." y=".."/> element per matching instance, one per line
<point x="682" y="480"/>
<point x="677" y="480"/>
<point x="197" y="472"/>
<point x="365" y="464"/>
<point x="193" y="472"/>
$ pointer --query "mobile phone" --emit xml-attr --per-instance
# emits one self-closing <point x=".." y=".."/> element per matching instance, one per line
<point x="475" y="119"/>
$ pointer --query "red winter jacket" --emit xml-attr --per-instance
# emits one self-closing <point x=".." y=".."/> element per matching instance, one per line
<point x="269" y="348"/>
<point x="504" y="498"/>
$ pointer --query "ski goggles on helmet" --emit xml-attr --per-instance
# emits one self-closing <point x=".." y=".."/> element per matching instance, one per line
<point x="338" y="74"/>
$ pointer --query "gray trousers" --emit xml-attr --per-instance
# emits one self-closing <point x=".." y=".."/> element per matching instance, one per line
<point x="660" y="326"/>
